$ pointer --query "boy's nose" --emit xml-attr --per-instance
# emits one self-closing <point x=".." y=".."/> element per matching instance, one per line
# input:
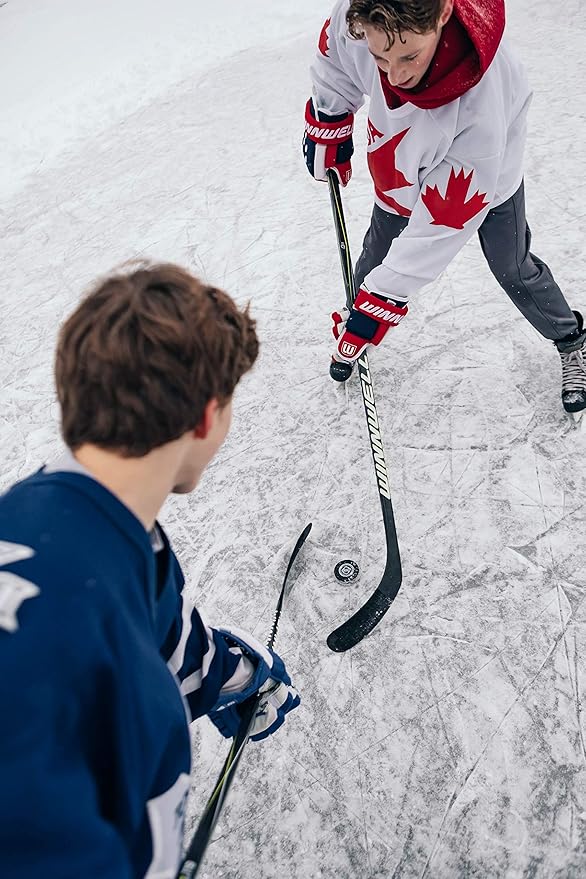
<point x="394" y="76"/>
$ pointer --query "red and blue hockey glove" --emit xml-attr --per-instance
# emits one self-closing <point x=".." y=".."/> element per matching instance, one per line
<point x="372" y="315"/>
<point x="327" y="143"/>
<point x="270" y="679"/>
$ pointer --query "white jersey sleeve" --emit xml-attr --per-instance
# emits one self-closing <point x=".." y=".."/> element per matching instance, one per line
<point x="336" y="86"/>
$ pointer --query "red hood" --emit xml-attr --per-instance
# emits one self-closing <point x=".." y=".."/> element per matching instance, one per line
<point x="467" y="46"/>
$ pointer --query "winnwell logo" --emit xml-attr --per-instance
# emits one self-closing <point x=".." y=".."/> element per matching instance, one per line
<point x="374" y="429"/>
<point x="381" y="313"/>
<point x="317" y="133"/>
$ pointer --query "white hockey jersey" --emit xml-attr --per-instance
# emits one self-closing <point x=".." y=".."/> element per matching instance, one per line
<point x="444" y="154"/>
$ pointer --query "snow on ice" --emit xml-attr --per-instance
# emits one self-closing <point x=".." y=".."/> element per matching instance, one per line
<point x="450" y="743"/>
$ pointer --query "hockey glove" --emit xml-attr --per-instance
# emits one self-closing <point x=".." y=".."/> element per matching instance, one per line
<point x="327" y="143"/>
<point x="366" y="324"/>
<point x="270" y="678"/>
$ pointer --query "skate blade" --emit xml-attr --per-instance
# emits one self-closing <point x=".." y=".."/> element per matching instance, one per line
<point x="339" y="383"/>
<point x="341" y="392"/>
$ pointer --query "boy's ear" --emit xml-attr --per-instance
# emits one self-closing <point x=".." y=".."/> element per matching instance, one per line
<point x="207" y="420"/>
<point x="446" y="11"/>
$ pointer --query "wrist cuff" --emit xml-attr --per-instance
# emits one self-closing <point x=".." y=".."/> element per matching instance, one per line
<point x="378" y="309"/>
<point x="327" y="132"/>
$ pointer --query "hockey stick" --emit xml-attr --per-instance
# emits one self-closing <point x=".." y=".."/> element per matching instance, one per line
<point x="197" y="847"/>
<point x="366" y="618"/>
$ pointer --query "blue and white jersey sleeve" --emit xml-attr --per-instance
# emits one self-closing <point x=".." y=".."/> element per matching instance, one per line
<point x="204" y="662"/>
<point x="206" y="666"/>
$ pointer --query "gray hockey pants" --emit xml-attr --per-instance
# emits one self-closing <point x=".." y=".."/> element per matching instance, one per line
<point x="505" y="239"/>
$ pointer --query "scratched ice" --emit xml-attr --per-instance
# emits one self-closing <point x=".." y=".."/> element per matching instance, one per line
<point x="450" y="743"/>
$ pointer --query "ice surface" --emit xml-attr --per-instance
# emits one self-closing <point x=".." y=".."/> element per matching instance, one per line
<point x="451" y="742"/>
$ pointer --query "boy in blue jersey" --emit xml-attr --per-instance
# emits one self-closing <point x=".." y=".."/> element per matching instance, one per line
<point x="103" y="661"/>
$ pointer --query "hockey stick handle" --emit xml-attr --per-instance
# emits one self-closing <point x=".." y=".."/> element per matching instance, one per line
<point x="342" y="237"/>
<point x="199" y="842"/>
<point x="248" y="710"/>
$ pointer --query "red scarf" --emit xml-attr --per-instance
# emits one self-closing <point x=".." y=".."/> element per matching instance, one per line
<point x="464" y="53"/>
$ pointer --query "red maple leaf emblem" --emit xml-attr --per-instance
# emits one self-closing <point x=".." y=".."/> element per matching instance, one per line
<point x="382" y="164"/>
<point x="323" y="38"/>
<point x="452" y="209"/>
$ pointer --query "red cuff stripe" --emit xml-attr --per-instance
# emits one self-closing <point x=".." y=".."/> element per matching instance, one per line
<point x="328" y="132"/>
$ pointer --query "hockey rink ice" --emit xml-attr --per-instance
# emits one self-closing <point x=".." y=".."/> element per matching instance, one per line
<point x="450" y="743"/>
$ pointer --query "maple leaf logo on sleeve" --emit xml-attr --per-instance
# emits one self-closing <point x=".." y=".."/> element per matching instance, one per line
<point x="13" y="589"/>
<point x="452" y="209"/>
<point x="323" y="38"/>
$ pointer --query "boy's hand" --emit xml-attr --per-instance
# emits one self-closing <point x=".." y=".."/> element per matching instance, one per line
<point x="327" y="143"/>
<point x="270" y="679"/>
<point x="366" y="324"/>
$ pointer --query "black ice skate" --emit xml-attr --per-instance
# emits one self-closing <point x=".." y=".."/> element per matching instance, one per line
<point x="572" y="351"/>
<point x="340" y="370"/>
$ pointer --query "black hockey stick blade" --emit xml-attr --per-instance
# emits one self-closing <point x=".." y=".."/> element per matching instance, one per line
<point x="199" y="842"/>
<point x="350" y="633"/>
<point x="284" y="590"/>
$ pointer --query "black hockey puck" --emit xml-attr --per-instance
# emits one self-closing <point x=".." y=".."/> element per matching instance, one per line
<point x="346" y="571"/>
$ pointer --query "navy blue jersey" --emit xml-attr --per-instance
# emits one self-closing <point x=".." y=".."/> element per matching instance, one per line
<point x="102" y="665"/>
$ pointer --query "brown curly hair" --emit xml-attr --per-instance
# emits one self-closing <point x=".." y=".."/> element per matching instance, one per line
<point x="419" y="16"/>
<point x="142" y="355"/>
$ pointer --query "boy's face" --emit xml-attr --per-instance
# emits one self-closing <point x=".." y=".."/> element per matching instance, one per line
<point x="407" y="60"/>
<point x="203" y="445"/>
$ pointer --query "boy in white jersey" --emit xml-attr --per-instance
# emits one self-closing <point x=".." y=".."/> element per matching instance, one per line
<point x="446" y="134"/>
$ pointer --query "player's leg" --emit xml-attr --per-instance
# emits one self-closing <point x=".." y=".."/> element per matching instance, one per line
<point x="384" y="228"/>
<point x="505" y="239"/>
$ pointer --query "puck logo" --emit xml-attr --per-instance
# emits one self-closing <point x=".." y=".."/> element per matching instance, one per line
<point x="346" y="571"/>
<point x="348" y="349"/>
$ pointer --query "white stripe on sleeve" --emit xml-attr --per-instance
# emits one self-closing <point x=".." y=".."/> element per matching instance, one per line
<point x="178" y="657"/>
<point x="193" y="681"/>
<point x="242" y="676"/>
